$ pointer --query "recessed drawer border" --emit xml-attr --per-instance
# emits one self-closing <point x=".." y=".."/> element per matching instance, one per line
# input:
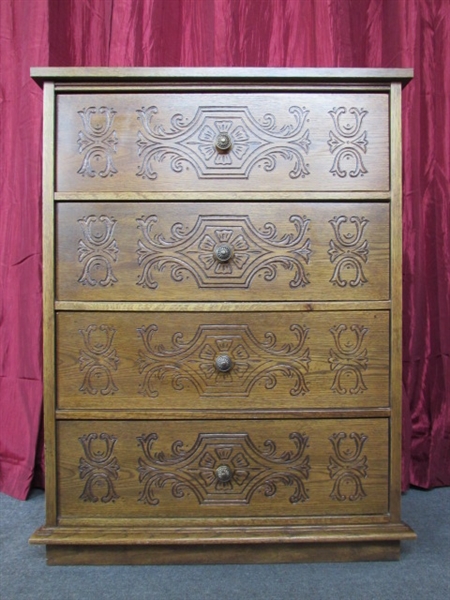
<point x="167" y="306"/>
<point x="348" y="196"/>
<point x="211" y="414"/>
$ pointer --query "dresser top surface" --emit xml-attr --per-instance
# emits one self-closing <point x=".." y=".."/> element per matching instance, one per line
<point x="146" y="74"/>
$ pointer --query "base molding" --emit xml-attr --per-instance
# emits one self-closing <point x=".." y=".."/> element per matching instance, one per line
<point x="160" y="546"/>
<point x="222" y="554"/>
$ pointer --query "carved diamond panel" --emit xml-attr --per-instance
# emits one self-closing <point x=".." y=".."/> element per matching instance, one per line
<point x="223" y="469"/>
<point x="252" y="361"/>
<point x="195" y="142"/>
<point x="253" y="252"/>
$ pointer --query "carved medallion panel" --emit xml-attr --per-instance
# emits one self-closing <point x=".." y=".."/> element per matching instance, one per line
<point x="348" y="360"/>
<point x="97" y="251"/>
<point x="201" y="142"/>
<point x="223" y="469"/>
<point x="231" y="251"/>
<point x="242" y="468"/>
<point x="348" y="466"/>
<point x="348" y="142"/>
<point x="98" y="468"/>
<point x="349" y="252"/>
<point x="223" y="361"/>
<point x="98" y="360"/>
<point x="97" y="142"/>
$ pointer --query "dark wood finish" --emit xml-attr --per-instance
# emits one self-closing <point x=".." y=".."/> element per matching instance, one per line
<point x="208" y="76"/>
<point x="289" y="360"/>
<point x="396" y="287"/>
<point x="167" y="142"/>
<point x="287" y="468"/>
<point x="48" y="294"/>
<point x="222" y="298"/>
<point x="289" y="251"/>
<point x="224" y="554"/>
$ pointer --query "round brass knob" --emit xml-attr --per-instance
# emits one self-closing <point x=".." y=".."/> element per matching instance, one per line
<point x="223" y="473"/>
<point x="223" y="142"/>
<point x="223" y="252"/>
<point x="224" y="363"/>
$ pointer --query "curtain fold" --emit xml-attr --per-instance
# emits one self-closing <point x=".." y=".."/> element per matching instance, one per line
<point x="426" y="231"/>
<point x="23" y="41"/>
<point x="278" y="33"/>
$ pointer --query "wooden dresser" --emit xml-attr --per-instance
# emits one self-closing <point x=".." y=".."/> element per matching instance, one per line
<point x="222" y="298"/>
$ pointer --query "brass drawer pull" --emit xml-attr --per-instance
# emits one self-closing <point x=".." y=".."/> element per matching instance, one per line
<point x="223" y="142"/>
<point x="224" y="363"/>
<point x="224" y="473"/>
<point x="223" y="252"/>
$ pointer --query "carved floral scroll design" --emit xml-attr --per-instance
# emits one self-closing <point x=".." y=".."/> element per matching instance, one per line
<point x="348" y="251"/>
<point x="189" y="252"/>
<point x="348" y="467"/>
<point x="350" y="360"/>
<point x="253" y="361"/>
<point x="99" y="469"/>
<point x="98" y="360"/>
<point x="97" y="250"/>
<point x="198" y="471"/>
<point x="97" y="141"/>
<point x="190" y="143"/>
<point x="347" y="143"/>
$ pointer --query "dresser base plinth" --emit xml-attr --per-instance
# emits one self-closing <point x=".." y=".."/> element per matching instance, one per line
<point x="92" y="546"/>
<point x="223" y="554"/>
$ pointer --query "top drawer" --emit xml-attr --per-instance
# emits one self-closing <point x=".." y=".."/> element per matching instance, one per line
<point x="222" y="142"/>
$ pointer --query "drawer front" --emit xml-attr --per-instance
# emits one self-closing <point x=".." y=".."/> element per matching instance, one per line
<point x="226" y="361"/>
<point x="222" y="142"/>
<point x="228" y="251"/>
<point x="157" y="469"/>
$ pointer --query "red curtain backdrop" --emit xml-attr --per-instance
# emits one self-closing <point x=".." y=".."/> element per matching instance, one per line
<point x="281" y="33"/>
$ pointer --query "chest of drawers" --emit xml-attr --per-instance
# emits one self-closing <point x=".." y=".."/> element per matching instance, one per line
<point x="222" y="299"/>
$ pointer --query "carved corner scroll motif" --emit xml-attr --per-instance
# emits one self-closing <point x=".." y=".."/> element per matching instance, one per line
<point x="99" y="469"/>
<point x="349" y="361"/>
<point x="223" y="469"/>
<point x="251" y="360"/>
<point x="97" y="251"/>
<point x="98" y="360"/>
<point x="97" y="141"/>
<point x="347" y="143"/>
<point x="251" y="252"/>
<point x="347" y="467"/>
<point x="222" y="142"/>
<point x="348" y="251"/>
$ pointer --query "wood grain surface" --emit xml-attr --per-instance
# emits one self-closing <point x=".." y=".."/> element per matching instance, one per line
<point x="280" y="361"/>
<point x="157" y="469"/>
<point x="166" y="251"/>
<point x="166" y="142"/>
<point x="222" y="327"/>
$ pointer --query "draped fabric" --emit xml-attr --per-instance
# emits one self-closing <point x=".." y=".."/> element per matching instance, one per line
<point x="281" y="33"/>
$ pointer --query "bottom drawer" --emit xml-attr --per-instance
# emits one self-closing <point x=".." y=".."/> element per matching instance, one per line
<point x="235" y="468"/>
